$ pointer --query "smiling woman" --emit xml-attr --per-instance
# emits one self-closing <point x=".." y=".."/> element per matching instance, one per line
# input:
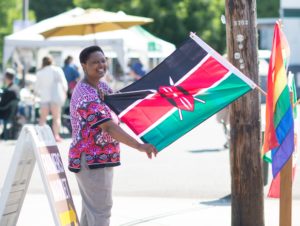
<point x="96" y="135"/>
<point x="94" y="68"/>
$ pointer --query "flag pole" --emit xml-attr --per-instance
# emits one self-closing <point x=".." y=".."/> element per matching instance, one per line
<point x="286" y="180"/>
<point x="297" y="102"/>
<point x="285" y="202"/>
<point x="261" y="90"/>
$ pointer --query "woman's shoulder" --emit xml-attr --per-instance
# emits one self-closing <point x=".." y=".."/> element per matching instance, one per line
<point x="105" y="87"/>
<point x="56" y="69"/>
<point x="81" y="88"/>
<point x="46" y="69"/>
<point x="83" y="92"/>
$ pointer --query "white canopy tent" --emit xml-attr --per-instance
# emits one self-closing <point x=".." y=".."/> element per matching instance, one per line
<point x="122" y="44"/>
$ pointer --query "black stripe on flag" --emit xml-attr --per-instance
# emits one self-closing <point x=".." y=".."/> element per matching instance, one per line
<point x="175" y="66"/>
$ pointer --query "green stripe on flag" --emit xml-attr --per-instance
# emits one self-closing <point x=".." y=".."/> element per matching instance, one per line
<point x="215" y="99"/>
<point x="268" y="157"/>
<point x="292" y="88"/>
<point x="282" y="106"/>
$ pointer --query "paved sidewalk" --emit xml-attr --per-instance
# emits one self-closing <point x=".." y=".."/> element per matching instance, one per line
<point x="147" y="211"/>
<point x="138" y="187"/>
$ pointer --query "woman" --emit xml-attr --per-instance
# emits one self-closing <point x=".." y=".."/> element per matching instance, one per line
<point x="96" y="135"/>
<point x="51" y="86"/>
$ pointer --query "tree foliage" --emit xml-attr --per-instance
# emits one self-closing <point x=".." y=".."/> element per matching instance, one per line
<point x="10" y="10"/>
<point x="44" y="8"/>
<point x="173" y="19"/>
<point x="267" y="8"/>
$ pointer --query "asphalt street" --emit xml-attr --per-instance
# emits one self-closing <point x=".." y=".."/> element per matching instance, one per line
<point x="196" y="166"/>
<point x="187" y="181"/>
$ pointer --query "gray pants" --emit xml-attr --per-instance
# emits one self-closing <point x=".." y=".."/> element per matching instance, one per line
<point x="95" y="186"/>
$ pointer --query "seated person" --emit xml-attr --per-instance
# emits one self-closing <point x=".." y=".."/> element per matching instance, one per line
<point x="11" y="92"/>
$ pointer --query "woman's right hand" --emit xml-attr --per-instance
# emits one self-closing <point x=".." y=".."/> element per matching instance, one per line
<point x="120" y="135"/>
<point x="149" y="149"/>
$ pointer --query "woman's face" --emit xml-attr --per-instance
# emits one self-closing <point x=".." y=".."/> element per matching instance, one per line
<point x="95" y="66"/>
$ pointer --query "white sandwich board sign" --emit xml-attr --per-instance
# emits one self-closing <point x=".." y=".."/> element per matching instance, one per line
<point x="37" y="144"/>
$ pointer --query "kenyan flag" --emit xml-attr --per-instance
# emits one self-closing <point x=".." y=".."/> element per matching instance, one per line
<point x="188" y="87"/>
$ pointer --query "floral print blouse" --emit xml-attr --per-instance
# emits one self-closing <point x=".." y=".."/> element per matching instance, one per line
<point x="87" y="112"/>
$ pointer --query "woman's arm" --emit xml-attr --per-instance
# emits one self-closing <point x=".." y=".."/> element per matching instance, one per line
<point x="120" y="135"/>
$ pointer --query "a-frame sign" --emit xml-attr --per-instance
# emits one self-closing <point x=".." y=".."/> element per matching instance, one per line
<point x="37" y="144"/>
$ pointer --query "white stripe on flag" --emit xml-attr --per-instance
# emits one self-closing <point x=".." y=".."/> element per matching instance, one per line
<point x="161" y="119"/>
<point x="221" y="59"/>
<point x="178" y="82"/>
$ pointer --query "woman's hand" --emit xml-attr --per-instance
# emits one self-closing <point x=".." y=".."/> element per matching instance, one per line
<point x="120" y="135"/>
<point x="149" y="149"/>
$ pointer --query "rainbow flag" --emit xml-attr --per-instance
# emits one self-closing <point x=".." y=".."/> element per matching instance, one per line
<point x="279" y="131"/>
<point x="274" y="190"/>
<point x="188" y="87"/>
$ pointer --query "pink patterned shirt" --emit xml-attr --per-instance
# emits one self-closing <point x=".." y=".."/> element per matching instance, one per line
<point x="87" y="112"/>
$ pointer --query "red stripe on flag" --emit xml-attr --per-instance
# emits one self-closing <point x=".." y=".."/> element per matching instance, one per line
<point x="148" y="111"/>
<point x="274" y="191"/>
<point x="275" y="65"/>
<point x="208" y="73"/>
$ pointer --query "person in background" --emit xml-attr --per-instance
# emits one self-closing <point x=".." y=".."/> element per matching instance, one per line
<point x="50" y="82"/>
<point x="96" y="134"/>
<point x="9" y="97"/>
<point x="136" y="69"/>
<point x="11" y="92"/>
<point x="222" y="117"/>
<point x="71" y="73"/>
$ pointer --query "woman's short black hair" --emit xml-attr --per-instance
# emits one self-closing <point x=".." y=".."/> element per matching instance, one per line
<point x="86" y="52"/>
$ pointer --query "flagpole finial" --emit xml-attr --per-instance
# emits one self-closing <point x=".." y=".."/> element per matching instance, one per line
<point x="280" y="23"/>
<point x="192" y="34"/>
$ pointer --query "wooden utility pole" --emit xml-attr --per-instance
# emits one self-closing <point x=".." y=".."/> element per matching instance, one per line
<point x="245" y="132"/>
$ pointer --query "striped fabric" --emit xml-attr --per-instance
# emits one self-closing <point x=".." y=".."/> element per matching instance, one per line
<point x="274" y="190"/>
<point x="279" y="132"/>
<point x="187" y="88"/>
